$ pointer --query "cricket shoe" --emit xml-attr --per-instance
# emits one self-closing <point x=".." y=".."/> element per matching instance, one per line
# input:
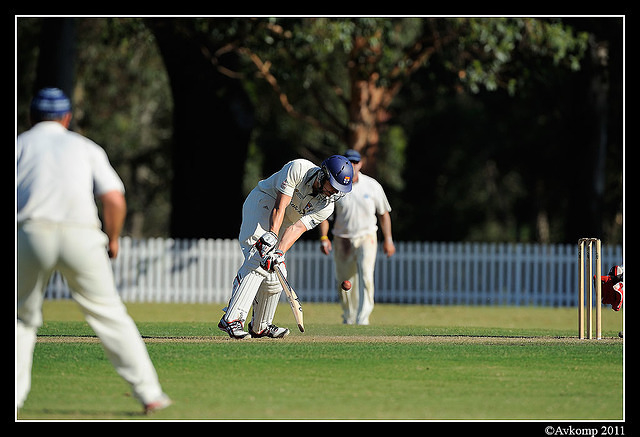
<point x="157" y="405"/>
<point x="234" y="329"/>
<point x="270" y="331"/>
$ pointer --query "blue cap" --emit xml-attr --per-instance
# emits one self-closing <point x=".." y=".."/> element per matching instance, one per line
<point x="50" y="103"/>
<point x="352" y="155"/>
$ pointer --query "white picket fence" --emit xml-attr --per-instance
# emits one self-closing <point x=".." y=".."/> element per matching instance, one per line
<point x="202" y="271"/>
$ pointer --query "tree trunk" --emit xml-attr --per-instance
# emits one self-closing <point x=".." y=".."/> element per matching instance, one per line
<point x="367" y="109"/>
<point x="591" y="118"/>
<point x="56" y="62"/>
<point x="212" y="124"/>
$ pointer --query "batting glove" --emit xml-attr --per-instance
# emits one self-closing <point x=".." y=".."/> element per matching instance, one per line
<point x="271" y="259"/>
<point x="266" y="243"/>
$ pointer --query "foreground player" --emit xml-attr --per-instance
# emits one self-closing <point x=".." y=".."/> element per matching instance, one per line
<point x="58" y="174"/>
<point x="274" y="216"/>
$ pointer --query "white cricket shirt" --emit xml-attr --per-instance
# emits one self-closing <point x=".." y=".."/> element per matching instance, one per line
<point x="296" y="179"/>
<point x="356" y="214"/>
<point x="58" y="175"/>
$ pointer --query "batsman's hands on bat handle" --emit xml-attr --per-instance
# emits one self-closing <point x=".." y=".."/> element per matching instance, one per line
<point x="271" y="259"/>
<point x="266" y="244"/>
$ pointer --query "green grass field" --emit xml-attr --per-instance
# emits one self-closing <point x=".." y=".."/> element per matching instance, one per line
<point x="412" y="363"/>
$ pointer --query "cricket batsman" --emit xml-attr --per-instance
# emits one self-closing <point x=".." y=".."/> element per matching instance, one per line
<point x="274" y="216"/>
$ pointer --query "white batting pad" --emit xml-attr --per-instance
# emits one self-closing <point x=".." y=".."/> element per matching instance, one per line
<point x="266" y="303"/>
<point x="244" y="291"/>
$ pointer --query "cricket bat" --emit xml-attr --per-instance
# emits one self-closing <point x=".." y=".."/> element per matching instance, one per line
<point x="291" y="296"/>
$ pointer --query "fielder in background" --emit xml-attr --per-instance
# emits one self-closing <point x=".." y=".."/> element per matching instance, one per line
<point x="355" y="241"/>
<point x="274" y="216"/>
<point x="59" y="176"/>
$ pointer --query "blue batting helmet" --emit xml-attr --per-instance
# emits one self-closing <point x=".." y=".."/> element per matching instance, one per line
<point x="339" y="171"/>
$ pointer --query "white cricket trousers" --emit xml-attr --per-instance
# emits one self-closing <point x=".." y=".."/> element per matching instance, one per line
<point x="80" y="255"/>
<point x="355" y="261"/>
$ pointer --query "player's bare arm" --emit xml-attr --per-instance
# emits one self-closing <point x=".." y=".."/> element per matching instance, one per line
<point x="114" y="211"/>
<point x="277" y="213"/>
<point x="385" y="225"/>
<point x="291" y="235"/>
